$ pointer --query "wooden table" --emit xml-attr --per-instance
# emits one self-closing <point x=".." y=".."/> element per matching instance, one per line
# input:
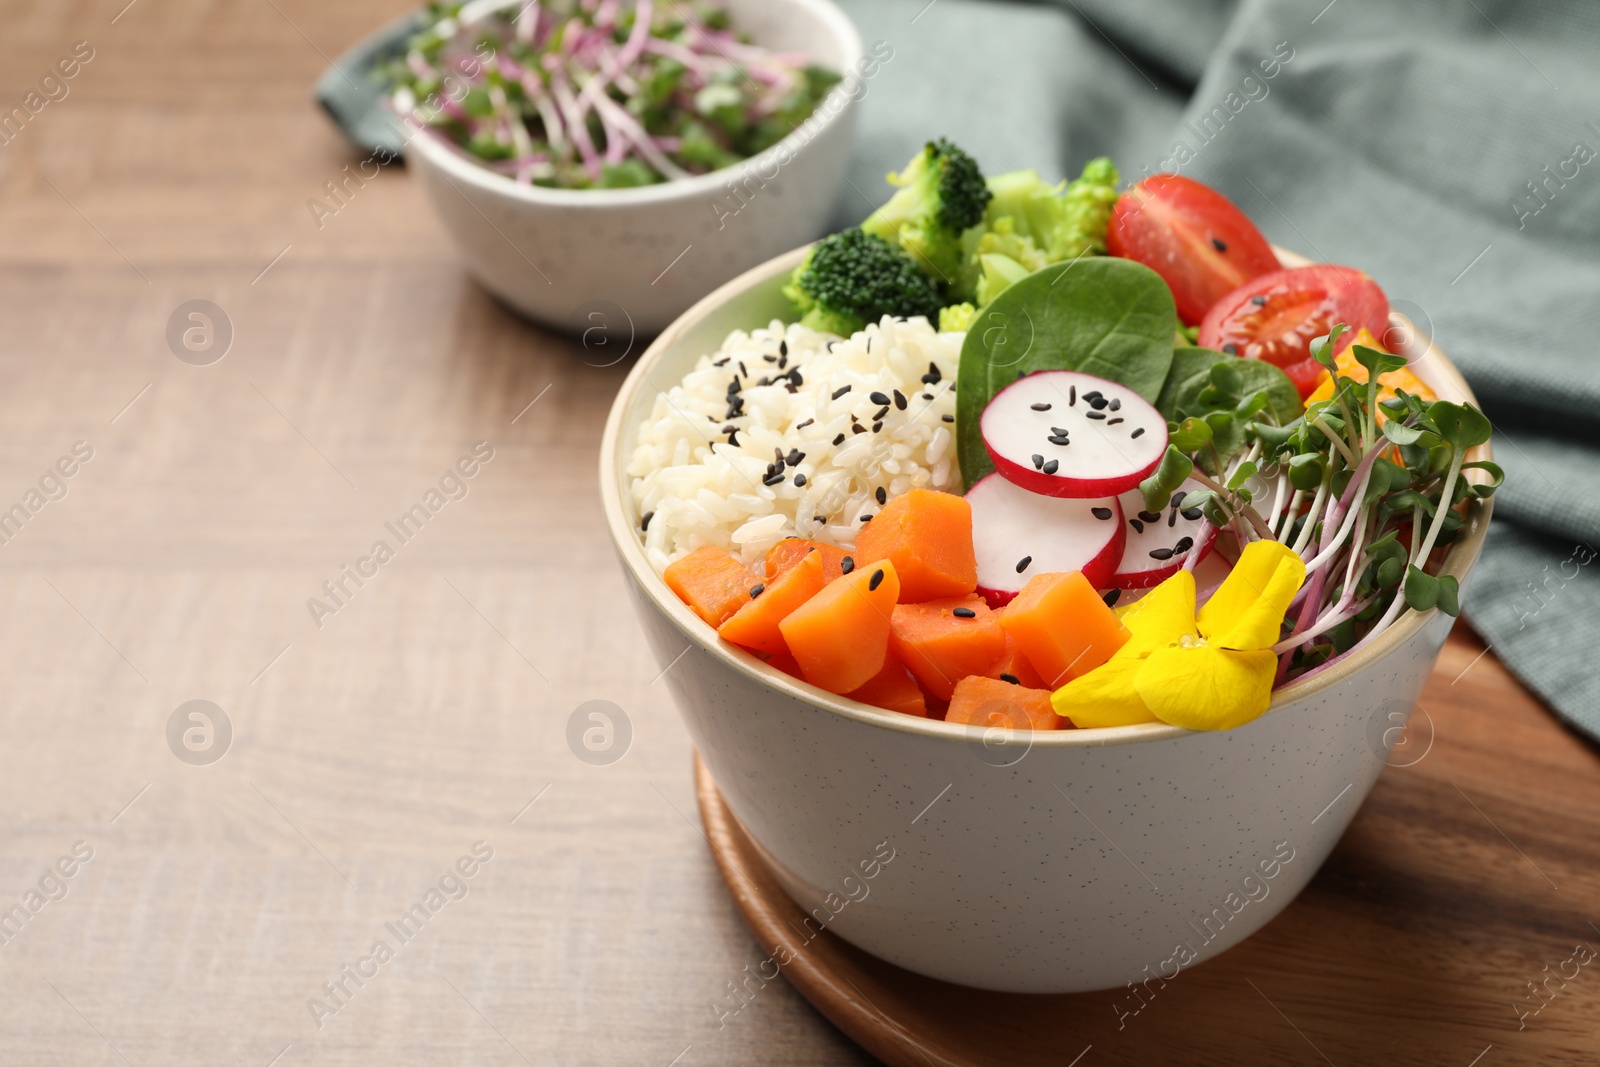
<point x="429" y="711"/>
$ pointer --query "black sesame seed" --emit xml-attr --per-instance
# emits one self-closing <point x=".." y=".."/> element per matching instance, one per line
<point x="1112" y="597"/>
<point x="933" y="377"/>
<point x="794" y="457"/>
<point x="772" y="479"/>
<point x="723" y="362"/>
<point x="1060" y="431"/>
<point x="1231" y="348"/>
<point x="1172" y="518"/>
<point x="769" y="358"/>
<point x="1013" y="679"/>
<point x="1092" y="395"/>
<point x="1038" y="461"/>
<point x="783" y="348"/>
<point x="1058" y="439"/>
<point x="866" y="518"/>
<point x="795" y="381"/>
<point x="847" y="565"/>
<point x="877" y="416"/>
<point x="927" y="396"/>
<point x="644" y="523"/>
<point x="820" y="520"/>
<point x="856" y="427"/>
<point x="877" y="426"/>
<point x="1113" y="422"/>
<point x="1259" y="301"/>
<point x="1116" y="404"/>
<point x="1192" y="513"/>
<point x="1022" y="564"/>
<point x="1150" y="516"/>
<point x="1099" y="403"/>
<point x="777" y="455"/>
<point x="1100" y="513"/>
<point x="742" y="370"/>
<point x="1040" y="407"/>
<point x="799" y="481"/>
<point x="1161" y="553"/>
<point x="877" y="398"/>
<point x="899" y="400"/>
<point x="876" y="579"/>
<point x="1094" y="414"/>
<point x="733" y="439"/>
<point x="1216" y="242"/>
<point x="843" y="389"/>
<point x="1051" y="466"/>
<point x="839" y="440"/>
<point x="1072" y="396"/>
<point x="947" y="418"/>
<point x="964" y="613"/>
<point x="1176" y="499"/>
<point x="803" y="425"/>
<point x="1184" y="544"/>
<point x="882" y="494"/>
<point x="1137" y="525"/>
<point x="755" y="590"/>
<point x="1138" y="431"/>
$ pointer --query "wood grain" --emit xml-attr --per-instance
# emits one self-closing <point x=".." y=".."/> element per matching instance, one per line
<point x="369" y="754"/>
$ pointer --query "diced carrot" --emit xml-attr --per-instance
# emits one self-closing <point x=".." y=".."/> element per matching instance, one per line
<point x="927" y="535"/>
<point x="841" y="636"/>
<point x="755" y="624"/>
<point x="1350" y="367"/>
<point x="785" y="663"/>
<point x="791" y="550"/>
<point x="941" y="647"/>
<point x="711" y="581"/>
<point x="1012" y="662"/>
<point x="988" y="702"/>
<point x="892" y="688"/>
<point x="1063" y="627"/>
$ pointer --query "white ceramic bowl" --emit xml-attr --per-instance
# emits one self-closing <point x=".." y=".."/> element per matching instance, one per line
<point x="561" y="256"/>
<point x="1097" y="858"/>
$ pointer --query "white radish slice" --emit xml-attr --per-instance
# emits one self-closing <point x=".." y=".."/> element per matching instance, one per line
<point x="1159" y="541"/>
<point x="1017" y="534"/>
<point x="1065" y="433"/>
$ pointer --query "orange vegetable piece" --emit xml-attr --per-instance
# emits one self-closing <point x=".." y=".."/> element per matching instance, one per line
<point x="988" y="702"/>
<point x="785" y="663"/>
<point x="927" y="535"/>
<point x="1062" y="626"/>
<point x="791" y="550"/>
<point x="1350" y="368"/>
<point x="892" y="688"/>
<point x="840" y="637"/>
<point x="711" y="581"/>
<point x="1014" y="663"/>
<point x="755" y="624"/>
<point x="940" y="647"/>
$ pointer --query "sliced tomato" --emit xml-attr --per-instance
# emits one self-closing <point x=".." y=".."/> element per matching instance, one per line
<point x="1191" y="235"/>
<point x="1277" y="316"/>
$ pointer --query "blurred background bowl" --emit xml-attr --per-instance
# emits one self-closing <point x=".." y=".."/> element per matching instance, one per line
<point x="577" y="259"/>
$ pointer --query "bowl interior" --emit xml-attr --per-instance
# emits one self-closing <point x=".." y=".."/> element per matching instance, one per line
<point x="754" y="300"/>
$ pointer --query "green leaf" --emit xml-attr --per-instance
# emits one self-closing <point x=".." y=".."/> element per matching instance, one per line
<point x="1389" y="573"/>
<point x="1449" y="595"/>
<point x="1401" y="434"/>
<point x="1174" y="469"/>
<point x="1377" y="362"/>
<point x="1422" y="589"/>
<point x="1100" y="315"/>
<point x="1191" y="375"/>
<point x="1323" y="353"/>
<point x="1496" y="474"/>
<point x="1190" y="436"/>
<point x="1305" y="470"/>
<point x="1462" y="426"/>
<point x="1245" y="472"/>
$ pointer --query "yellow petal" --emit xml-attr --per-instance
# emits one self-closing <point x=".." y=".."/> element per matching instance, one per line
<point x="1200" y="687"/>
<point x="1247" y="610"/>
<point x="1103" y="697"/>
<point x="1163" y="615"/>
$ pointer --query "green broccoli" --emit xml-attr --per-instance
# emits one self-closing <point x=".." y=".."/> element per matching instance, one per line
<point x="941" y="194"/>
<point x="852" y="278"/>
<point x="956" y="318"/>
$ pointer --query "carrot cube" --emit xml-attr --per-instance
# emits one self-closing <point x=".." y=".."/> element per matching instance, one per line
<point x="791" y="550"/>
<point x="1063" y="627"/>
<point x="927" y="535"/>
<point x="941" y="647"/>
<point x="840" y="637"/>
<point x="987" y="702"/>
<point x="711" y="581"/>
<point x="892" y="688"/>
<point x="755" y="624"/>
<point x="1012" y="662"/>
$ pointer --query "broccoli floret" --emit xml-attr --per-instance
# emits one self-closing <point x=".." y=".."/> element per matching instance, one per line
<point x="941" y="194"/>
<point x="957" y="318"/>
<point x="852" y="278"/>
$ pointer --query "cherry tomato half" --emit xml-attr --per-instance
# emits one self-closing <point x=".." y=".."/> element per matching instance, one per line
<point x="1202" y="246"/>
<point x="1276" y="317"/>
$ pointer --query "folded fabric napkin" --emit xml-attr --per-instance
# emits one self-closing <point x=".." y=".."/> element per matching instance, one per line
<point x="1449" y="148"/>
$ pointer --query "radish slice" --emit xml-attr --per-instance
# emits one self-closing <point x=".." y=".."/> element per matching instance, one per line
<point x="1065" y="433"/>
<point x="1158" y="541"/>
<point x="1017" y="534"/>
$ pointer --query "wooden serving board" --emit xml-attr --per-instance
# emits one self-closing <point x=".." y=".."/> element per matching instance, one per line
<point x="1473" y="869"/>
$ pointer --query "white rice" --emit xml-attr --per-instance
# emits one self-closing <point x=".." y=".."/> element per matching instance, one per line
<point x="700" y="490"/>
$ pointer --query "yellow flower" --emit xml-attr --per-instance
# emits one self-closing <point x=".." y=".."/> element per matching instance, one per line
<point x="1211" y="671"/>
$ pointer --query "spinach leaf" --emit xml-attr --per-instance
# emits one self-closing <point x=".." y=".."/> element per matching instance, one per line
<point x="1100" y="315"/>
<point x="1191" y="389"/>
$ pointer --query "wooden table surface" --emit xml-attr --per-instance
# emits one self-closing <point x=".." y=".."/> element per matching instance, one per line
<point x="426" y="717"/>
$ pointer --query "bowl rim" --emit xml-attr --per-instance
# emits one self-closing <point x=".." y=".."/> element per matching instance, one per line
<point x="451" y="159"/>
<point x="1463" y="555"/>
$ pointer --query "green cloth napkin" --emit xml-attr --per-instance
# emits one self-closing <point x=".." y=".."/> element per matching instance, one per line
<point x="1450" y="148"/>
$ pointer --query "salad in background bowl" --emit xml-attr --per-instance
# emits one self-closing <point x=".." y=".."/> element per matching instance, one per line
<point x="1051" y="575"/>
<point x="605" y="163"/>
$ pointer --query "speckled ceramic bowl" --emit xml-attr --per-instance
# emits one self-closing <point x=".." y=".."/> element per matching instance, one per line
<point x="1042" y="863"/>
<point x="628" y="261"/>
